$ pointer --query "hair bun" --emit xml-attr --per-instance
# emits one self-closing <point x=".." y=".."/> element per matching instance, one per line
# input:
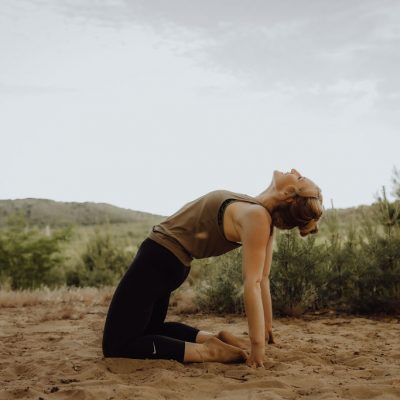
<point x="304" y="213"/>
<point x="310" y="227"/>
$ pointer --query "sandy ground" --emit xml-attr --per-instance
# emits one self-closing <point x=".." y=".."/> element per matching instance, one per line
<point x="52" y="350"/>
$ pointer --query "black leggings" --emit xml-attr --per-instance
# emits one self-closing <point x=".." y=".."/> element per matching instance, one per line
<point x="135" y="326"/>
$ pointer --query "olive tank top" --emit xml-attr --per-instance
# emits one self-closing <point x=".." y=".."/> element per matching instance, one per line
<point x="196" y="230"/>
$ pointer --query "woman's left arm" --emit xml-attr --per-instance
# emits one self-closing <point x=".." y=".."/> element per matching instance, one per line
<point x="265" y="291"/>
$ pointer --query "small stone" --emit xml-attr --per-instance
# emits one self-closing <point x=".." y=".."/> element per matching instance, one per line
<point x="66" y="381"/>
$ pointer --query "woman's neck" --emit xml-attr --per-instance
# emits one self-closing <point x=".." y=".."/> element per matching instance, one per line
<point x="269" y="198"/>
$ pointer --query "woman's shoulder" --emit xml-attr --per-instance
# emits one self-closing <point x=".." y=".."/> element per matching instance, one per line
<point x="228" y="194"/>
<point x="253" y="211"/>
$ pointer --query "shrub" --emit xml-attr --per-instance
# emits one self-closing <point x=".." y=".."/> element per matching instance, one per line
<point x="103" y="262"/>
<point x="337" y="270"/>
<point x="28" y="257"/>
<point x="295" y="273"/>
<point x="377" y="276"/>
<point x="221" y="289"/>
<point x="377" y="281"/>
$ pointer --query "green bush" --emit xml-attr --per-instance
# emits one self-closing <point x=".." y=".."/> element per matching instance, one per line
<point x="28" y="257"/>
<point x="377" y="276"/>
<point x="377" y="281"/>
<point x="296" y="273"/>
<point x="340" y="263"/>
<point x="221" y="289"/>
<point x="103" y="262"/>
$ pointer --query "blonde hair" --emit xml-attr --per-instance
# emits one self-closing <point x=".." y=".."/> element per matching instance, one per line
<point x="304" y="212"/>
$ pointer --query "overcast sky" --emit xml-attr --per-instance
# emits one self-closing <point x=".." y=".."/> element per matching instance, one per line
<point x="147" y="104"/>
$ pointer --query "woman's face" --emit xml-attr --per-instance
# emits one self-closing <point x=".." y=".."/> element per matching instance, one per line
<point x="283" y="180"/>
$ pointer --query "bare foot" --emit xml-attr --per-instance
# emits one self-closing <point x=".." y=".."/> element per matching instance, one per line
<point x="233" y="340"/>
<point x="216" y="350"/>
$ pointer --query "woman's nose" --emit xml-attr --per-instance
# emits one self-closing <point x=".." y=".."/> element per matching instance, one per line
<point x="294" y="171"/>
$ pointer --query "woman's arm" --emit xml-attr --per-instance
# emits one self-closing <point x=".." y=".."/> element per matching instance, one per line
<point x="265" y="291"/>
<point x="254" y="233"/>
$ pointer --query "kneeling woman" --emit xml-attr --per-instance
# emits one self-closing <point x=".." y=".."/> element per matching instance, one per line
<point x="208" y="226"/>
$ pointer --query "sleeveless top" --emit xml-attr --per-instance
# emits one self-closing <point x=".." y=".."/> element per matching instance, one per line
<point x="196" y="230"/>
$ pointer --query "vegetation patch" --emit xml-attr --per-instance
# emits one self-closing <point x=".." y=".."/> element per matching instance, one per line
<point x="352" y="265"/>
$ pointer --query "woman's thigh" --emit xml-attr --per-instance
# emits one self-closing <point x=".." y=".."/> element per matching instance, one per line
<point x="142" y="295"/>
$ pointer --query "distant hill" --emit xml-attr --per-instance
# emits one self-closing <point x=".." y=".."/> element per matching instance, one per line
<point x="42" y="212"/>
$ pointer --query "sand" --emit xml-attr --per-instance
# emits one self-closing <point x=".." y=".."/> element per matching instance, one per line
<point x="52" y="350"/>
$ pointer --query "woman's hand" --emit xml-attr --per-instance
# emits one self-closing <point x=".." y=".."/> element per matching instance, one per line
<point x="256" y="357"/>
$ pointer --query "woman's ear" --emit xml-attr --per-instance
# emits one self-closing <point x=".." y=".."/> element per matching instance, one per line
<point x="288" y="194"/>
<point x="289" y="200"/>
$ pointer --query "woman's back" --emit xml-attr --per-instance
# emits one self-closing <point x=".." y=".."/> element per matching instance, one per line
<point x="196" y="230"/>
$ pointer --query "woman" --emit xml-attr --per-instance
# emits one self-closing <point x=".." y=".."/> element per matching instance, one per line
<point x="209" y="226"/>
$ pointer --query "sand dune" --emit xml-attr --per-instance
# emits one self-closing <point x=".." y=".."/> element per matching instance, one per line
<point x="52" y="350"/>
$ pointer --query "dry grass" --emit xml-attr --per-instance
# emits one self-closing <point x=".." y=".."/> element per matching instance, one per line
<point x="73" y="301"/>
<point x="66" y="311"/>
<point x="64" y="295"/>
